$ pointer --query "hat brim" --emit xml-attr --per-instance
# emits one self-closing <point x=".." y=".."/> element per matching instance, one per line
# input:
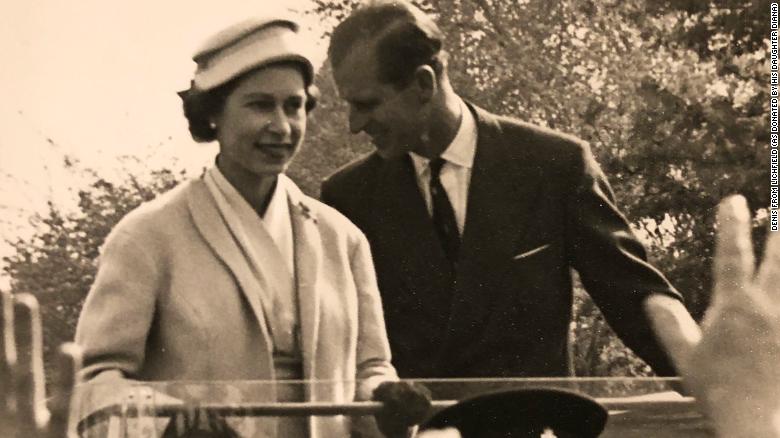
<point x="523" y="413"/>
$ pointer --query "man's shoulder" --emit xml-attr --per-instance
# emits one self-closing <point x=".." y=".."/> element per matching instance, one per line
<point x="351" y="181"/>
<point x="540" y="139"/>
<point x="356" y="171"/>
<point x="528" y="140"/>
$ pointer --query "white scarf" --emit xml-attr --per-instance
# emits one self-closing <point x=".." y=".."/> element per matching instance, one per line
<point x="269" y="255"/>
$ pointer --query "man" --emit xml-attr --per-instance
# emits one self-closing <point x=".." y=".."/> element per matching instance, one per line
<point x="474" y="219"/>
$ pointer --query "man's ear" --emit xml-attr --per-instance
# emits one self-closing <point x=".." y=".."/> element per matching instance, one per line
<point x="426" y="83"/>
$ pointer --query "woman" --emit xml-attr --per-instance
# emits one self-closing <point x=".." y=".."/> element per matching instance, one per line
<point x="238" y="275"/>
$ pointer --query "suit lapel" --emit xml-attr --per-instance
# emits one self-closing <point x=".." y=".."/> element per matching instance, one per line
<point x="405" y="230"/>
<point x="501" y="199"/>
<point x="308" y="254"/>
<point x="208" y="221"/>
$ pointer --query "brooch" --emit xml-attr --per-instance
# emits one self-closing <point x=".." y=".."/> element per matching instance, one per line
<point x="306" y="212"/>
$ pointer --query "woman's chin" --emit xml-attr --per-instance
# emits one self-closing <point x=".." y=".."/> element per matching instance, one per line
<point x="267" y="170"/>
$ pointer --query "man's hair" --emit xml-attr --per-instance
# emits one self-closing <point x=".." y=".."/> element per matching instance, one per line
<point x="405" y="38"/>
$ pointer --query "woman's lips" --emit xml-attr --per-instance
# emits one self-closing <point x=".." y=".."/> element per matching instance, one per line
<point x="278" y="151"/>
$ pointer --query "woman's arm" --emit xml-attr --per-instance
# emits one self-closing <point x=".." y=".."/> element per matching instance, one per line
<point x="114" y="324"/>
<point x="373" y="349"/>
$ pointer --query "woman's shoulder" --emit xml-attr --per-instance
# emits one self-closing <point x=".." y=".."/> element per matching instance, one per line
<point x="167" y="209"/>
<point x="327" y="218"/>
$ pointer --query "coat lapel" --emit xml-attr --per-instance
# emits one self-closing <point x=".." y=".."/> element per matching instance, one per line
<point x="209" y="222"/>
<point x="308" y="254"/>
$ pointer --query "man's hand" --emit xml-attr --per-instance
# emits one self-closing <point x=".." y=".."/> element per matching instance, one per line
<point x="732" y="364"/>
<point x="23" y="411"/>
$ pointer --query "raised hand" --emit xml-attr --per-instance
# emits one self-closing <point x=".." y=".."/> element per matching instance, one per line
<point x="732" y="363"/>
<point x="23" y="410"/>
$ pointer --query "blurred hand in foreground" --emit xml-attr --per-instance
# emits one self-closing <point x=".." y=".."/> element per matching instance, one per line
<point x="23" y="410"/>
<point x="405" y="406"/>
<point x="732" y="362"/>
<point x="449" y="432"/>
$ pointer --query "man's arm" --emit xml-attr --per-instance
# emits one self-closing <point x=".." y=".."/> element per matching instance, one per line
<point x="612" y="263"/>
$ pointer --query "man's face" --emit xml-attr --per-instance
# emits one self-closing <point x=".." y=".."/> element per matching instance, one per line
<point x="389" y="115"/>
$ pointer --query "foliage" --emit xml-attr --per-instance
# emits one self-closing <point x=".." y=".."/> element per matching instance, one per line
<point x="58" y="263"/>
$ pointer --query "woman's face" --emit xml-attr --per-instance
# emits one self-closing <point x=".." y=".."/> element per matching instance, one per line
<point x="263" y="120"/>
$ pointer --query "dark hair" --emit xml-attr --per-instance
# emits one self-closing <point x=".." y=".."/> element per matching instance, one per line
<point x="200" y="107"/>
<point x="405" y="38"/>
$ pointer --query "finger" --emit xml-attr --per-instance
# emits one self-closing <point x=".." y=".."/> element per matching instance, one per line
<point x="68" y="362"/>
<point x="28" y="373"/>
<point x="202" y="421"/>
<point x="191" y="416"/>
<point x="768" y="278"/>
<point x="675" y="328"/>
<point x="180" y="423"/>
<point x="215" y="423"/>
<point x="7" y="349"/>
<point x="733" y="264"/>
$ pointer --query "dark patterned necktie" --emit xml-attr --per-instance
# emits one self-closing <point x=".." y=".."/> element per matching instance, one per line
<point x="443" y="214"/>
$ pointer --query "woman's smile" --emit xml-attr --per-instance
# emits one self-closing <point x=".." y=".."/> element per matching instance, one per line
<point x="275" y="151"/>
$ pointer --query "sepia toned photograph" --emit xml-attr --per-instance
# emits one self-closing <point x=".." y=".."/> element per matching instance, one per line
<point x="390" y="218"/>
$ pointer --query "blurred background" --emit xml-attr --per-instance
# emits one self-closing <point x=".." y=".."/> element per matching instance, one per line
<point x="671" y="95"/>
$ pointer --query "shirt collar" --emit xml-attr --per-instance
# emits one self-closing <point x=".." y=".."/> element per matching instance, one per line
<point x="463" y="147"/>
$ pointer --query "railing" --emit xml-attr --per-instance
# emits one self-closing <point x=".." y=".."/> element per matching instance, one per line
<point x="641" y="407"/>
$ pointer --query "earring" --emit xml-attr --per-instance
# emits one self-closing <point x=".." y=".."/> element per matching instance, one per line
<point x="425" y="138"/>
<point x="212" y="125"/>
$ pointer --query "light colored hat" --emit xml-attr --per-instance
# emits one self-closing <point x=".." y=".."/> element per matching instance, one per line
<point x="247" y="45"/>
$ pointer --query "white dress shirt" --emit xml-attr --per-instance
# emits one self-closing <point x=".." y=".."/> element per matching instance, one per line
<point x="456" y="172"/>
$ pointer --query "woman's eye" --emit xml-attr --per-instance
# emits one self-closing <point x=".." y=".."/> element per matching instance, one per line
<point x="294" y="105"/>
<point x="261" y="105"/>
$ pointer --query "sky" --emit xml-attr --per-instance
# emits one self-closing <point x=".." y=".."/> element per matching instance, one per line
<point x="96" y="80"/>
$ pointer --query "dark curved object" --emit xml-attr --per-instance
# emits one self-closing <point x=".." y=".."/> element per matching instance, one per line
<point x="524" y="413"/>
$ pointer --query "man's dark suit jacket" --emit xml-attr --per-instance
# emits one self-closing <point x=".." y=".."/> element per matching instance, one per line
<point x="538" y="205"/>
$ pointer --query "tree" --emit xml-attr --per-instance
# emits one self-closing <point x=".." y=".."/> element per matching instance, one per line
<point x="58" y="263"/>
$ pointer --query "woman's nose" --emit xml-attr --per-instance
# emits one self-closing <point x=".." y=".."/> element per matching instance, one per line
<point x="280" y="124"/>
